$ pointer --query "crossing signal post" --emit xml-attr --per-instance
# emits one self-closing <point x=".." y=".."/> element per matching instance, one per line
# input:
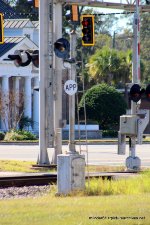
<point x="88" y="37"/>
<point x="1" y="29"/>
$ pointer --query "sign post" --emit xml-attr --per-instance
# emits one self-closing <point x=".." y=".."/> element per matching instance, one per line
<point x="71" y="166"/>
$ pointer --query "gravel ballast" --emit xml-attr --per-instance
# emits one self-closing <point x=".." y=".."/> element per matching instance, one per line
<point x="23" y="192"/>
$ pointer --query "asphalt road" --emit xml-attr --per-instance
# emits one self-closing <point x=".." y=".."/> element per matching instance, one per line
<point x="97" y="154"/>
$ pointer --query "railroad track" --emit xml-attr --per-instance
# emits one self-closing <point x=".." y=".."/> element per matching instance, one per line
<point x="46" y="179"/>
<point x="27" y="180"/>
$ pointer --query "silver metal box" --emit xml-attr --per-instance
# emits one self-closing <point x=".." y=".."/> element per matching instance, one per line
<point x="128" y="124"/>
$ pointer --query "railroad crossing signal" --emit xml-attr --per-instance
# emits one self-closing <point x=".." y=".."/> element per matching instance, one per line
<point x="24" y="58"/>
<point x="136" y="92"/>
<point x="1" y="29"/>
<point x="62" y="48"/>
<point x="147" y="92"/>
<point x="88" y="36"/>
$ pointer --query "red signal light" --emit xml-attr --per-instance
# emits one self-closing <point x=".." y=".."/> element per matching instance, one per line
<point x="85" y="23"/>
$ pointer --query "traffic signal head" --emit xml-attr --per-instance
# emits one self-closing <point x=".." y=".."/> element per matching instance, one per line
<point x="1" y="29"/>
<point x="88" y="38"/>
<point x="34" y="3"/>
<point x="136" y="92"/>
<point x="62" y="48"/>
<point x="24" y="58"/>
<point x="72" y="13"/>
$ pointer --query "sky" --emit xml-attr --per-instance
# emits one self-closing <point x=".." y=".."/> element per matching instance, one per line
<point x="122" y="22"/>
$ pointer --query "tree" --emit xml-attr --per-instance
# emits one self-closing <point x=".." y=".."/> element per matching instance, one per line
<point x="145" y="45"/>
<point x="11" y="108"/>
<point x="104" y="104"/>
<point x="24" y="8"/>
<point x="11" y="2"/>
<point x="110" y="66"/>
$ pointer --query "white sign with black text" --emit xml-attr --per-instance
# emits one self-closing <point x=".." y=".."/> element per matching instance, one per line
<point x="70" y="87"/>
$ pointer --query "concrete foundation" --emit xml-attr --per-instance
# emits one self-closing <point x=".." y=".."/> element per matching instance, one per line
<point x="70" y="173"/>
<point x="133" y="163"/>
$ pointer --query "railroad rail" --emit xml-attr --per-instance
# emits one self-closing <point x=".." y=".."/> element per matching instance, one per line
<point x="46" y="179"/>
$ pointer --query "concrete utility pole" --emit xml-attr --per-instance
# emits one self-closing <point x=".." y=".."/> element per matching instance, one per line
<point x="58" y="65"/>
<point x="45" y="80"/>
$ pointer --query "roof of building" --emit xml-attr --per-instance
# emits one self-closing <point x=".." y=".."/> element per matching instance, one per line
<point x="7" y="10"/>
<point x="17" y="23"/>
<point x="10" y="42"/>
<point x="36" y="24"/>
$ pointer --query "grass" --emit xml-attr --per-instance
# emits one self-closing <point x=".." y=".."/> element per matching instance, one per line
<point x="117" y="202"/>
<point x="133" y="186"/>
<point x="26" y="166"/>
<point x="97" y="168"/>
<point x="20" y="166"/>
<point x="77" y="210"/>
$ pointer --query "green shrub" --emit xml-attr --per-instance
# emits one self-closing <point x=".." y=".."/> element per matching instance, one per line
<point x="109" y="133"/>
<point x="19" y="135"/>
<point x="2" y="135"/>
<point x="104" y="104"/>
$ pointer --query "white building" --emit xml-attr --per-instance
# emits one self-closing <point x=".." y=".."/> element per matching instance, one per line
<point x="17" y="83"/>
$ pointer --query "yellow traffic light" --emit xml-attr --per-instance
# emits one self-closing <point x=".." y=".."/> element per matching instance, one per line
<point x="1" y="29"/>
<point x="88" y="36"/>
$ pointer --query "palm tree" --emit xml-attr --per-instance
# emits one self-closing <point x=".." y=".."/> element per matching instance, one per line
<point x="110" y="66"/>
